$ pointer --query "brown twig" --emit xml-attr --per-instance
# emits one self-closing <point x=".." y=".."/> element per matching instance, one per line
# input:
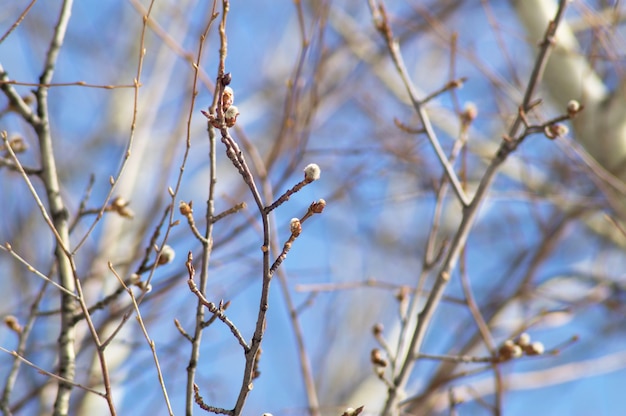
<point x="27" y="328"/>
<point x="217" y="311"/>
<point x="52" y="375"/>
<point x="296" y="229"/>
<point x="67" y="84"/>
<point x="285" y="197"/>
<point x="229" y="211"/>
<point x="18" y="21"/>
<point x="148" y="340"/>
<point x="200" y="402"/>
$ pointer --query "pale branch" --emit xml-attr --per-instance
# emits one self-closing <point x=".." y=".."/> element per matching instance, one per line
<point x="58" y="211"/>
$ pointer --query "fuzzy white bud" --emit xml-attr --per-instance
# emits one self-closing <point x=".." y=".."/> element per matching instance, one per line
<point x="230" y="116"/>
<point x="573" y="107"/>
<point x="228" y="97"/>
<point x="553" y="131"/>
<point x="295" y="227"/>
<point x="470" y="112"/>
<point x="185" y="208"/>
<point x="536" y="348"/>
<point x="312" y="172"/>
<point x="510" y="350"/>
<point x="523" y="340"/>
<point x="167" y="255"/>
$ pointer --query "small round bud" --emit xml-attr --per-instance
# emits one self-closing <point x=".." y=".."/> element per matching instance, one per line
<point x="402" y="293"/>
<point x="295" y="226"/>
<point x="17" y="144"/>
<point x="469" y="114"/>
<point x="377" y="329"/>
<point x="228" y="97"/>
<point x="120" y="205"/>
<point x="312" y="172"/>
<point x="536" y="348"/>
<point x="517" y="351"/>
<point x="523" y="340"/>
<point x="561" y="129"/>
<point x="134" y="278"/>
<point x="318" y="207"/>
<point x="167" y="255"/>
<point x="13" y="324"/>
<point x="227" y="78"/>
<point x="555" y="130"/>
<point x="119" y="202"/>
<point x="185" y="208"/>
<point x="573" y="107"/>
<point x="456" y="83"/>
<point x="376" y="357"/>
<point x="350" y="411"/>
<point x="230" y="116"/>
<point x="509" y="350"/>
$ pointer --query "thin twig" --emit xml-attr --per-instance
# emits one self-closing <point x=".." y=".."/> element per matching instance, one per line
<point x="16" y="101"/>
<point x="229" y="211"/>
<point x="207" y="238"/>
<point x="33" y="191"/>
<point x="148" y="340"/>
<point x="7" y="247"/>
<point x="11" y="377"/>
<point x="285" y="197"/>
<point x="66" y="84"/>
<point x="106" y="379"/>
<point x="217" y="311"/>
<point x="455" y="358"/>
<point x="52" y="375"/>
<point x="18" y="21"/>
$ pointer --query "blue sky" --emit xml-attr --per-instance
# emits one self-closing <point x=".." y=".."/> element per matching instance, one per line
<point x="376" y="179"/>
